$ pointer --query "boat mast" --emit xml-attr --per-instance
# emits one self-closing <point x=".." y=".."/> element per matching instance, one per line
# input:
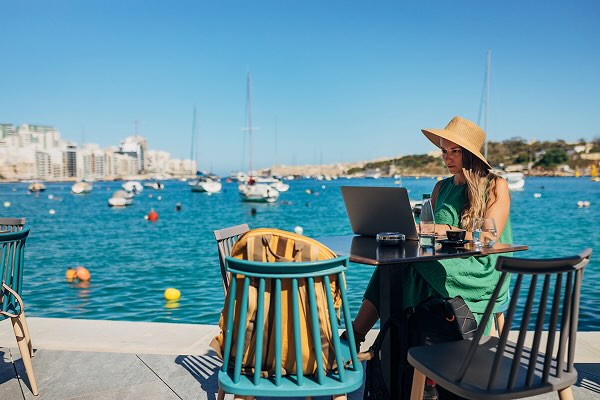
<point x="249" y="101"/>
<point x="193" y="145"/>
<point x="487" y="96"/>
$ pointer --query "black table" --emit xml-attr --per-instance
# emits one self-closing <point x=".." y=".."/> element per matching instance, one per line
<point x="365" y="250"/>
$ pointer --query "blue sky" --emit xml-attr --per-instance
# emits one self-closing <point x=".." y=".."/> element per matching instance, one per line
<point x="332" y="80"/>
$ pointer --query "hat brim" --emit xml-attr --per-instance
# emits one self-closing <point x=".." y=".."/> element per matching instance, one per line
<point x="434" y="135"/>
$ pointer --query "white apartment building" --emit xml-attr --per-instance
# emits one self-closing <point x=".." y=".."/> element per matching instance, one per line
<point x="38" y="152"/>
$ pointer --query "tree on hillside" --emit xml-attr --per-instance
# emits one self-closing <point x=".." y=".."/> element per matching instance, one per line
<point x="552" y="158"/>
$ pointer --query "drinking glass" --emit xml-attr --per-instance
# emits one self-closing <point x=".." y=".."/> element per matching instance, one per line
<point x="477" y="225"/>
<point x="489" y="232"/>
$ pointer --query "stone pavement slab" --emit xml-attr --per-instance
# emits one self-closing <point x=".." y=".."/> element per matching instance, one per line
<point x="91" y="360"/>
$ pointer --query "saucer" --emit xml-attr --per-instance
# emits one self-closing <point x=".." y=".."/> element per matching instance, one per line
<point x="453" y="243"/>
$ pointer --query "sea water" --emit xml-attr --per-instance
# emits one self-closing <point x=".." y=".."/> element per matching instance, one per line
<point x="132" y="260"/>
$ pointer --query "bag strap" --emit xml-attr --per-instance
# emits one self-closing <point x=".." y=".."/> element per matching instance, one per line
<point x="297" y="253"/>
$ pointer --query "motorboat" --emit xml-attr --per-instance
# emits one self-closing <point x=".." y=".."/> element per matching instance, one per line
<point x="133" y="186"/>
<point x="156" y="185"/>
<point x="258" y="192"/>
<point x="121" y="198"/>
<point x="206" y="184"/>
<point x="81" y="187"/>
<point x="515" y="180"/>
<point x="36" y="187"/>
<point x="273" y="182"/>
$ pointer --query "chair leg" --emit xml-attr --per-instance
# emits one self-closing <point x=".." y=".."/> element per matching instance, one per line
<point x="500" y="322"/>
<point x="24" y="350"/>
<point x="340" y="397"/>
<point x="26" y="332"/>
<point x="221" y="394"/>
<point x="418" y="386"/>
<point x="566" y="394"/>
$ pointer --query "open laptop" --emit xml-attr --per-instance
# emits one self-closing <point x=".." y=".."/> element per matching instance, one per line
<point x="372" y="210"/>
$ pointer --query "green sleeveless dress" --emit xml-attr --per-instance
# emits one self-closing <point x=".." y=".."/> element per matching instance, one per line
<point x="472" y="278"/>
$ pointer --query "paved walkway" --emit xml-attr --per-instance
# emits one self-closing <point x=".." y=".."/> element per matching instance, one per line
<point x="97" y="360"/>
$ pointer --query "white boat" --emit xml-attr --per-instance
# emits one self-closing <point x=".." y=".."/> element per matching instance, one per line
<point x="516" y="180"/>
<point x="121" y="198"/>
<point x="156" y="185"/>
<point x="258" y="192"/>
<point x="206" y="185"/>
<point x="273" y="182"/>
<point x="36" y="187"/>
<point x="81" y="187"/>
<point x="251" y="190"/>
<point x="133" y="186"/>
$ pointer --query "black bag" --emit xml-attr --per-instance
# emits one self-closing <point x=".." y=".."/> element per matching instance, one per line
<point x="434" y="320"/>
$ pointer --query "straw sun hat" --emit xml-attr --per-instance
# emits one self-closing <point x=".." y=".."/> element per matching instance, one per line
<point x="464" y="133"/>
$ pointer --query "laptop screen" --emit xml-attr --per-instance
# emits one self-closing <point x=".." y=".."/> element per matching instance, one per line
<point x="372" y="210"/>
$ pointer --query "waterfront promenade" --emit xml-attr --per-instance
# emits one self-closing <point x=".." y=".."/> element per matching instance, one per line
<point x="97" y="360"/>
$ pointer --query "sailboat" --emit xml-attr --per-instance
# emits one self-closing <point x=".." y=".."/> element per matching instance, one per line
<point x="515" y="180"/>
<point x="203" y="183"/>
<point x="251" y="190"/>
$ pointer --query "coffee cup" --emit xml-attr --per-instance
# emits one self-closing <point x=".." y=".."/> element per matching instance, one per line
<point x="455" y="236"/>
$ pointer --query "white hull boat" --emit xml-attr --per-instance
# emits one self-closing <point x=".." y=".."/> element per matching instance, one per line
<point x="259" y="193"/>
<point x="516" y="180"/>
<point x="156" y="185"/>
<point x="133" y="186"/>
<point x="120" y="198"/>
<point x="81" y="188"/>
<point x="206" y="185"/>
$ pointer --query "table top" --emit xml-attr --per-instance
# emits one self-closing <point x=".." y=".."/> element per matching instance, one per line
<point x="365" y="250"/>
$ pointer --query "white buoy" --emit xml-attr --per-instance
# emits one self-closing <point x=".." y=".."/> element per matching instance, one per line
<point x="586" y="203"/>
<point x="580" y="204"/>
<point x="299" y="230"/>
<point x="50" y="196"/>
<point x="322" y="186"/>
<point x="7" y="204"/>
<point x="537" y="195"/>
<point x="51" y="211"/>
<point x="159" y="198"/>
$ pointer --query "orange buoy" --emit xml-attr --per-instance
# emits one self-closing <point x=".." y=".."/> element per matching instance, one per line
<point x="71" y="274"/>
<point x="83" y="274"/>
<point x="152" y="215"/>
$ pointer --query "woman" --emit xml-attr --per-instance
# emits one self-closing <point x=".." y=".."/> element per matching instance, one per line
<point x="473" y="191"/>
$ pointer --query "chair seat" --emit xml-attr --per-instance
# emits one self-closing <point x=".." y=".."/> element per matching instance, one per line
<point x="289" y="386"/>
<point x="441" y="363"/>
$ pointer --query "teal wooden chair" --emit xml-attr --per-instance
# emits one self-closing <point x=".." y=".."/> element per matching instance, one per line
<point x="347" y="375"/>
<point x="12" y="224"/>
<point x="12" y="247"/>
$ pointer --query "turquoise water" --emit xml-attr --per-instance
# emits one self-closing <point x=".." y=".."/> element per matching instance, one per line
<point x="133" y="261"/>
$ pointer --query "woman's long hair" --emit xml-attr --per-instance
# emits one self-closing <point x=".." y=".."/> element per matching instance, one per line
<point x="481" y="189"/>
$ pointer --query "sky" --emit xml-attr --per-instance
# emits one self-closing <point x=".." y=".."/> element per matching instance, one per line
<point x="332" y="81"/>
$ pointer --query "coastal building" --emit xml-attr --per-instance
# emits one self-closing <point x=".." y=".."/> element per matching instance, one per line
<point x="137" y="147"/>
<point x="32" y="151"/>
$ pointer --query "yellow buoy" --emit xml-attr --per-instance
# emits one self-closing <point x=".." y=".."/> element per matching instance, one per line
<point x="172" y="294"/>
